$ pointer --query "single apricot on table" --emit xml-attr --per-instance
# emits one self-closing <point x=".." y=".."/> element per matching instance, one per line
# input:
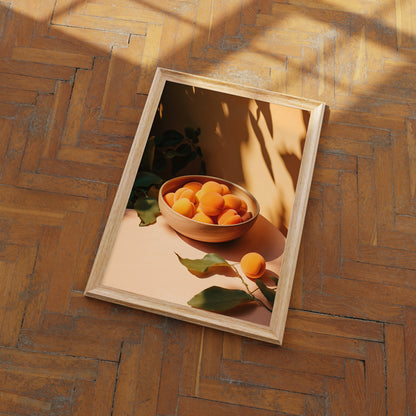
<point x="253" y="265"/>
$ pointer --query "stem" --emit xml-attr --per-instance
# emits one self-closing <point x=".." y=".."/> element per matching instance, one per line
<point x="260" y="301"/>
<point x="248" y="289"/>
<point x="244" y="283"/>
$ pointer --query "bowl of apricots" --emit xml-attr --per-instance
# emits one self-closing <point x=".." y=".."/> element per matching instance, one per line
<point x="206" y="208"/>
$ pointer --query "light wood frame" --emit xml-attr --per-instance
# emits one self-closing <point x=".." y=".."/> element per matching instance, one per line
<point x="275" y="331"/>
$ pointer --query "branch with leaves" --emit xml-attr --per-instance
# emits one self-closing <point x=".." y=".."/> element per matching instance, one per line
<point x="219" y="299"/>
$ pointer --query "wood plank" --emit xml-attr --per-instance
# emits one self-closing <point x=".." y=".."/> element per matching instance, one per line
<point x="65" y="261"/>
<point x="126" y="386"/>
<point x="294" y="360"/>
<point x="252" y="396"/>
<point x="16" y="285"/>
<point x="313" y="238"/>
<point x="395" y="370"/>
<point x="367" y="219"/>
<point x="191" y="364"/>
<point x="147" y="389"/>
<point x="343" y="327"/>
<point x="375" y="379"/>
<point x="410" y="355"/>
<point x="378" y="274"/>
<point x="349" y="213"/>
<point x="170" y="375"/>
<point x="355" y="388"/>
<point x="331" y="228"/>
<point x="44" y="56"/>
<point x="344" y="305"/>
<point x="369" y="291"/>
<point x="296" y="381"/>
<point x="189" y="406"/>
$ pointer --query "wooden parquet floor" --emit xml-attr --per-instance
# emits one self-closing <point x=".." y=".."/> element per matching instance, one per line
<point x="74" y="75"/>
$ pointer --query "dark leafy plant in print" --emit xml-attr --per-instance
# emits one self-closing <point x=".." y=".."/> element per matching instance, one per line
<point x="164" y="157"/>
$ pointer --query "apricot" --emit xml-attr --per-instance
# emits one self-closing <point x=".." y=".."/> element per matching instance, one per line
<point x="243" y="208"/>
<point x="185" y="193"/>
<point x="194" y="185"/>
<point x="232" y="201"/>
<point x="201" y="217"/>
<point x="246" y="216"/>
<point x="225" y="215"/>
<point x="253" y="265"/>
<point x="229" y="217"/>
<point x="211" y="204"/>
<point x="225" y="189"/>
<point x="169" y="198"/>
<point x="211" y="186"/>
<point x="198" y="195"/>
<point x="185" y="207"/>
<point x="235" y="219"/>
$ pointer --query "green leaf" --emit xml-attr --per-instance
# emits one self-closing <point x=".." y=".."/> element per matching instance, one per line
<point x="146" y="179"/>
<point x="170" y="154"/>
<point x="179" y="163"/>
<point x="275" y="279"/>
<point x="218" y="299"/>
<point x="202" y="265"/>
<point x="169" y="138"/>
<point x="192" y="134"/>
<point x="268" y="293"/>
<point x="147" y="209"/>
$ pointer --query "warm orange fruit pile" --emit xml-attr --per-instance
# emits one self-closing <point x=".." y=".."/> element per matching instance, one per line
<point x="210" y="202"/>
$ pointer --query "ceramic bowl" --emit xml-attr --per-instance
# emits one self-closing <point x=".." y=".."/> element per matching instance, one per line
<point x="210" y="233"/>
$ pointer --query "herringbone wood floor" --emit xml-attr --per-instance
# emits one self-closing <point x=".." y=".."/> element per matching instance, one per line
<point x="74" y="75"/>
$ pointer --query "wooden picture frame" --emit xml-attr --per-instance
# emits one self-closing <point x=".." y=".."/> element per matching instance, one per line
<point x="258" y="117"/>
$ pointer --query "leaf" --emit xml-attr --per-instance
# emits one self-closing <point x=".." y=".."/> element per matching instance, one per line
<point x="192" y="134"/>
<point x="275" y="280"/>
<point x="268" y="293"/>
<point x="153" y="192"/>
<point x="146" y="179"/>
<point x="169" y="138"/>
<point x="147" y="209"/>
<point x="183" y="149"/>
<point x="159" y="162"/>
<point x="181" y="162"/>
<point x="202" y="265"/>
<point x="218" y="299"/>
<point x="170" y="154"/>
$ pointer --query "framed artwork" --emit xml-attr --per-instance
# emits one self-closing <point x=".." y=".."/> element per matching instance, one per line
<point x="260" y="141"/>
